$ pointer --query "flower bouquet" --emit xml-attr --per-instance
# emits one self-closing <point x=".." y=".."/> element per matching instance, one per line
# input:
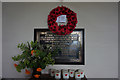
<point x="35" y="57"/>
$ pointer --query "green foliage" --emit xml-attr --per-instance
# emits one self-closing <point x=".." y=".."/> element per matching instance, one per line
<point x="34" y="55"/>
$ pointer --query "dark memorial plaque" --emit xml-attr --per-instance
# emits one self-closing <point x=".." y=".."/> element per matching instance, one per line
<point x="71" y="46"/>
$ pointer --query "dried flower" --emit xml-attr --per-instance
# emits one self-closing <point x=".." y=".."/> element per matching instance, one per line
<point x="39" y="69"/>
<point x="36" y="76"/>
<point x="15" y="65"/>
<point x="32" y="52"/>
<point x="27" y="71"/>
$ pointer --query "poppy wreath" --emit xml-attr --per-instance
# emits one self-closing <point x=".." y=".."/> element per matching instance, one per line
<point x="62" y="29"/>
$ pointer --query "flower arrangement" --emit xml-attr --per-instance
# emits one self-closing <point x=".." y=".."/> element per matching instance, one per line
<point x="35" y="57"/>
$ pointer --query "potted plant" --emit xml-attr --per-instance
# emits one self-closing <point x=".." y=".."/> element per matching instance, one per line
<point x="35" y="57"/>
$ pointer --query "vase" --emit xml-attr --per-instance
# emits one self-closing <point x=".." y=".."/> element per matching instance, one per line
<point x="36" y="74"/>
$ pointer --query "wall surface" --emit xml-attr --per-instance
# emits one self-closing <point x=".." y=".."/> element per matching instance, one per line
<point x="100" y="21"/>
<point x="60" y="0"/>
<point x="119" y="40"/>
<point x="0" y="39"/>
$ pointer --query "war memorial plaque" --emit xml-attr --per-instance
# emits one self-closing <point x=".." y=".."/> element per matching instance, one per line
<point x="71" y="46"/>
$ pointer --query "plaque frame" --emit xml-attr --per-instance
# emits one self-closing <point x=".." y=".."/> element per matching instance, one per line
<point x="68" y="62"/>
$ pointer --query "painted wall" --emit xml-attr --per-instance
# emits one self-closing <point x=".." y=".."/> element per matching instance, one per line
<point x="119" y="40"/>
<point x="0" y="39"/>
<point x="100" y="21"/>
<point x="60" y="0"/>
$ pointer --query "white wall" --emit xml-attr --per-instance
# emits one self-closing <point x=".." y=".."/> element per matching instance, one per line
<point x="60" y="0"/>
<point x="0" y="38"/>
<point x="100" y="21"/>
<point x="119" y="40"/>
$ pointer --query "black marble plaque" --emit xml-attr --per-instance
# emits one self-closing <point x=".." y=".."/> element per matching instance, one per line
<point x="71" y="46"/>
